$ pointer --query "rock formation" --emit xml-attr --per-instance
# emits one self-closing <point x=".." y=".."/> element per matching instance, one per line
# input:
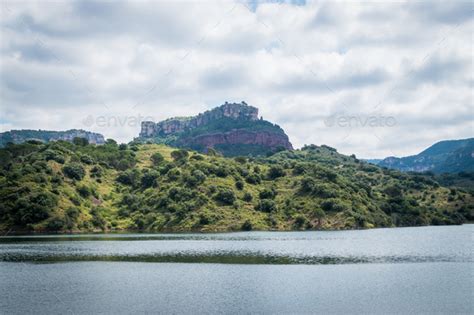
<point x="231" y="124"/>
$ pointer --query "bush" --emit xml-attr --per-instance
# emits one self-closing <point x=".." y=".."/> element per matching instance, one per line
<point x="80" y="141"/>
<point x="129" y="177"/>
<point x="247" y="226"/>
<point x="86" y="159"/>
<point x="157" y="158"/>
<point x="96" y="171"/>
<point x="35" y="207"/>
<point x="275" y="172"/>
<point x="239" y="185"/>
<point x="247" y="197"/>
<point x="180" y="155"/>
<point x="300" y="221"/>
<point x="84" y="191"/>
<point x="74" y="171"/>
<point x="253" y="179"/>
<point x="195" y="178"/>
<point x="226" y="196"/>
<point x="150" y="179"/>
<point x="267" y="194"/>
<point x="266" y="205"/>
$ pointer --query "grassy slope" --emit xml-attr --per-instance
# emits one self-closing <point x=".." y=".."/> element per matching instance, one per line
<point x="359" y="189"/>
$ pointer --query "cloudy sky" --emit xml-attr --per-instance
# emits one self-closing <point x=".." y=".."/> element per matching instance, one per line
<point x="368" y="78"/>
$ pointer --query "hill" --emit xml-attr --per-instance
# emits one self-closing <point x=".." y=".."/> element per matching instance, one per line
<point x="62" y="186"/>
<point x="20" y="136"/>
<point x="451" y="156"/>
<point x="232" y="129"/>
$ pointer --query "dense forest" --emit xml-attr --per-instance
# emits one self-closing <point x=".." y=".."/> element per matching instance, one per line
<point x="80" y="187"/>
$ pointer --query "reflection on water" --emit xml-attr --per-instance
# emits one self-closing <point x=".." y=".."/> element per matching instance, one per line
<point x="402" y="245"/>
<point x="404" y="271"/>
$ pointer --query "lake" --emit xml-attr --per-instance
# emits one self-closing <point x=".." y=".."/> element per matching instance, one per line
<point x="399" y="270"/>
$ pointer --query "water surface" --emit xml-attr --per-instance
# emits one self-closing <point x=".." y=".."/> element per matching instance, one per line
<point x="406" y="270"/>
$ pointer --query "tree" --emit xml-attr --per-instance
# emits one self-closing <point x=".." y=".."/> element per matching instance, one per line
<point x="266" y="205"/>
<point x="275" y="172"/>
<point x="239" y="185"/>
<point x="74" y="171"/>
<point x="80" y="141"/>
<point x="225" y="195"/>
<point x="319" y="214"/>
<point x="157" y="158"/>
<point x="180" y="155"/>
<point x="150" y="179"/>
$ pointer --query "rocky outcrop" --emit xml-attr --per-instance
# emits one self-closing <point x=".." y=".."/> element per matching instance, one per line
<point x="19" y="136"/>
<point x="238" y="136"/>
<point x="237" y="111"/>
<point x="231" y="124"/>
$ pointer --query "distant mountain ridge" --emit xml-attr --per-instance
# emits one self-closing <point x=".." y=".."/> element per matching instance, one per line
<point x="450" y="156"/>
<point x="20" y="136"/>
<point x="232" y="129"/>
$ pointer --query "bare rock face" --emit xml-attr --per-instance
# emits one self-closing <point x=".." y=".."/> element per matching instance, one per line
<point x="266" y="139"/>
<point x="229" y="124"/>
<point x="237" y="111"/>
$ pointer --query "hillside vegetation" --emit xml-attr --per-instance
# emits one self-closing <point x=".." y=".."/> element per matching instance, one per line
<point x="79" y="187"/>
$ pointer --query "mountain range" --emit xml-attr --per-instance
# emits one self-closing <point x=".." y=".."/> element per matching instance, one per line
<point x="451" y="156"/>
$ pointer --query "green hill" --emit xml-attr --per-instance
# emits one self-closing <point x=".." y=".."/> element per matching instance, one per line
<point x="443" y="157"/>
<point x="62" y="186"/>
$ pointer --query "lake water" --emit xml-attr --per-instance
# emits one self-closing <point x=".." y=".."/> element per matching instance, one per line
<point x="403" y="270"/>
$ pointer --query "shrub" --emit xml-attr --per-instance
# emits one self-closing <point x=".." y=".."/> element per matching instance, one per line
<point x="226" y="196"/>
<point x="239" y="185"/>
<point x="86" y="159"/>
<point x="266" y="205"/>
<point x="195" y="178"/>
<point x="96" y="171"/>
<point x="150" y="179"/>
<point x="253" y="179"/>
<point x="300" y="221"/>
<point x="80" y="141"/>
<point x="74" y="171"/>
<point x="275" y="172"/>
<point x="129" y="177"/>
<point x="268" y="193"/>
<point x="180" y="155"/>
<point x="247" y="197"/>
<point x="247" y="226"/>
<point x="157" y="158"/>
<point x="83" y="191"/>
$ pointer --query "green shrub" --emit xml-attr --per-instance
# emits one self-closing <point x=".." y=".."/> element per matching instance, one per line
<point x="74" y="171"/>
<point x="247" y="226"/>
<point x="275" y="172"/>
<point x="150" y="179"/>
<point x="225" y="195"/>
<point x="239" y="185"/>
<point x="266" y="205"/>
<point x="247" y="197"/>
<point x="157" y="158"/>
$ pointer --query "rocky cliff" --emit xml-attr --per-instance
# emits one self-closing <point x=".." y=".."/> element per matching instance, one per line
<point x="232" y="128"/>
<point x="19" y="136"/>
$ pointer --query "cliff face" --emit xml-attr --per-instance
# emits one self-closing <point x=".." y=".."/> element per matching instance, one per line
<point x="175" y="125"/>
<point x="231" y="124"/>
<point x="19" y="136"/>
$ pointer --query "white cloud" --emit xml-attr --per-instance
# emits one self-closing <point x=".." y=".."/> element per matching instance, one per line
<point x="62" y="62"/>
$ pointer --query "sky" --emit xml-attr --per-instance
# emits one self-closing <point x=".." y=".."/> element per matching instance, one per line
<point x="371" y="78"/>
